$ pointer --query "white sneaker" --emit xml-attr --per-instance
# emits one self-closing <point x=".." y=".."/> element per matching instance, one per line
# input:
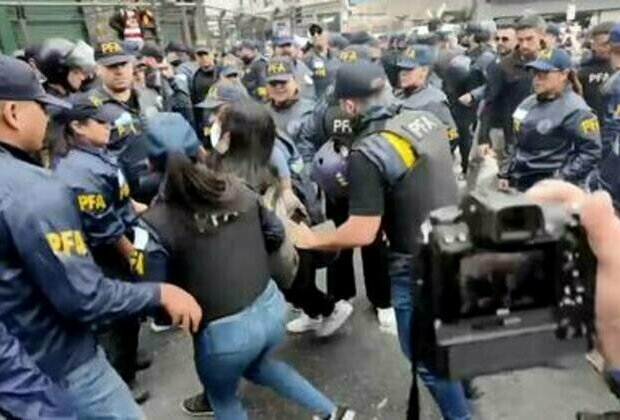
<point x="342" y="312"/>
<point x="156" y="328"/>
<point x="303" y="324"/>
<point x="387" y="320"/>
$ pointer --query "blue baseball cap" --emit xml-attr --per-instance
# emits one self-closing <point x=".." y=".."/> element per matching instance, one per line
<point x="416" y="56"/>
<point x="282" y="40"/>
<point x="222" y="93"/>
<point x="551" y="60"/>
<point x="19" y="82"/>
<point x="359" y="80"/>
<point x="614" y="34"/>
<point x="83" y="106"/>
<point x="280" y="69"/>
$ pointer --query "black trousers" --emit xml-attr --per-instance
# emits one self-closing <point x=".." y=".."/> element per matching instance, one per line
<point x="304" y="294"/>
<point x="341" y="274"/>
<point x="465" y="118"/>
<point x="120" y="342"/>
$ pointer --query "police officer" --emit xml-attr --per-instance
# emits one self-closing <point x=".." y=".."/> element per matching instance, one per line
<point x="389" y="186"/>
<point x="130" y="107"/>
<point x="54" y="292"/>
<point x="220" y="95"/>
<point x="109" y="219"/>
<point x="607" y="176"/>
<point x="65" y="65"/>
<point x="391" y="56"/>
<point x="321" y="60"/>
<point x="291" y="112"/>
<point x="594" y="72"/>
<point x="255" y="69"/>
<point x="286" y="46"/>
<point x="557" y="134"/>
<point x="417" y="94"/>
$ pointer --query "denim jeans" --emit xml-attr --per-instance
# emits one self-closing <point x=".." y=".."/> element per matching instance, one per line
<point x="239" y="346"/>
<point x="449" y="395"/>
<point x="97" y="392"/>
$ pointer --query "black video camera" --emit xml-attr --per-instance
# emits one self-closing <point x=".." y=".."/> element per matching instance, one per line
<point x="509" y="285"/>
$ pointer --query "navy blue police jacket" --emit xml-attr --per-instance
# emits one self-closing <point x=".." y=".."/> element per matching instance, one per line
<point x="559" y="138"/>
<point x="51" y="290"/>
<point x="25" y="391"/>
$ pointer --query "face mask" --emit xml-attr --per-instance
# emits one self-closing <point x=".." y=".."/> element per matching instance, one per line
<point x="215" y="134"/>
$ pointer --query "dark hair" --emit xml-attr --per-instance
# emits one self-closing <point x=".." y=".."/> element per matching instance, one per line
<point x="531" y="22"/>
<point x="575" y="83"/>
<point x="252" y="134"/>
<point x="193" y="185"/>
<point x="66" y="139"/>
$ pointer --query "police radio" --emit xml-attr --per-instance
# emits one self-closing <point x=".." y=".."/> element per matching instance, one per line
<point x="510" y="285"/>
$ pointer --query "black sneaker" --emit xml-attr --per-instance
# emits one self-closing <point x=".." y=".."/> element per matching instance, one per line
<point x="197" y="406"/>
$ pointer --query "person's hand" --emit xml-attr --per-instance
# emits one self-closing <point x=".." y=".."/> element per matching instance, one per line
<point x="301" y="234"/>
<point x="181" y="306"/>
<point x="602" y="226"/>
<point x="138" y="207"/>
<point x="466" y="99"/>
<point x="503" y="184"/>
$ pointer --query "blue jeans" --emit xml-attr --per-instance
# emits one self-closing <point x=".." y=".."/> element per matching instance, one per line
<point x="97" y="392"/>
<point x="240" y="345"/>
<point x="449" y="395"/>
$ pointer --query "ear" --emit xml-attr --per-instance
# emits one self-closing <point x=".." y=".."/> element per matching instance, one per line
<point x="9" y="112"/>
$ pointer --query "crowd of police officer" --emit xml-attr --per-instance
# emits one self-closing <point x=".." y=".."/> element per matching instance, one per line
<point x="370" y="133"/>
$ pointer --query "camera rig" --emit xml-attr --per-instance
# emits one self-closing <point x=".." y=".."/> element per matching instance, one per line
<point x="504" y="284"/>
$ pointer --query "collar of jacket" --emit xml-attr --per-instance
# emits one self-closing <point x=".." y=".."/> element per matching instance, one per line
<point x="18" y="153"/>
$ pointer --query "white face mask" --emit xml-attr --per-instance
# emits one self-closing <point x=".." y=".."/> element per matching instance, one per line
<point x="215" y="133"/>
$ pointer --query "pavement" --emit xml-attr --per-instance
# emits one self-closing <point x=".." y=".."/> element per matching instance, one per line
<point x="362" y="367"/>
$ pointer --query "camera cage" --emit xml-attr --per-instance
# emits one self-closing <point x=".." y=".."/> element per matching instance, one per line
<point x="460" y="345"/>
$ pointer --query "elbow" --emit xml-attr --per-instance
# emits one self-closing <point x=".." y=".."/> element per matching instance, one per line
<point x="367" y="238"/>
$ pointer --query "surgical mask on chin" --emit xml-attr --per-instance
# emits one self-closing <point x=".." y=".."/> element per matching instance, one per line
<point x="215" y="134"/>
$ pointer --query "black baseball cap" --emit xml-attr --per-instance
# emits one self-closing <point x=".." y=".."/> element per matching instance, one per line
<point x="202" y="49"/>
<point x="315" y="28"/>
<point x="280" y="69"/>
<point x="86" y="105"/>
<point x="229" y="71"/>
<point x="19" y="82"/>
<point x="361" y="79"/>
<point x="111" y="53"/>
<point x="222" y="93"/>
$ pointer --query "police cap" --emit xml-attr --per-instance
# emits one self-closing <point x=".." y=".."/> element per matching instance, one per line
<point x="359" y="80"/>
<point x="111" y="53"/>
<point x="355" y="53"/>
<point x="19" y="82"/>
<point x="416" y="56"/>
<point x="551" y="60"/>
<point x="280" y="69"/>
<point x="222" y="93"/>
<point x="150" y="49"/>
<point x="283" y="40"/>
<point x="83" y="106"/>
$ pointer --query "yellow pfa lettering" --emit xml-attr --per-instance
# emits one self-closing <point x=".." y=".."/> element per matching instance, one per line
<point x="91" y="202"/>
<point x="516" y="125"/>
<point x="136" y="262"/>
<point x="261" y="92"/>
<point x="212" y="92"/>
<point x="590" y="125"/>
<point x="111" y="47"/>
<point x="545" y="54"/>
<point x="276" y="68"/>
<point x="320" y="72"/>
<point x="348" y="56"/>
<point x="124" y="191"/>
<point x="453" y="133"/>
<point x="67" y="242"/>
<point x="95" y="100"/>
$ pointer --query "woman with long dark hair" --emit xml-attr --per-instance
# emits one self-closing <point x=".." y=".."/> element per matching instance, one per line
<point x="218" y="237"/>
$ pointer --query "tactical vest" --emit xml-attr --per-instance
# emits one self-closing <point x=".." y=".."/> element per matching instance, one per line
<point x="218" y="255"/>
<point x="434" y="101"/>
<point x="411" y="152"/>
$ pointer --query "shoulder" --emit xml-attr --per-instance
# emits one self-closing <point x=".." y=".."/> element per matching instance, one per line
<point x="571" y="100"/>
<point x="306" y="106"/>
